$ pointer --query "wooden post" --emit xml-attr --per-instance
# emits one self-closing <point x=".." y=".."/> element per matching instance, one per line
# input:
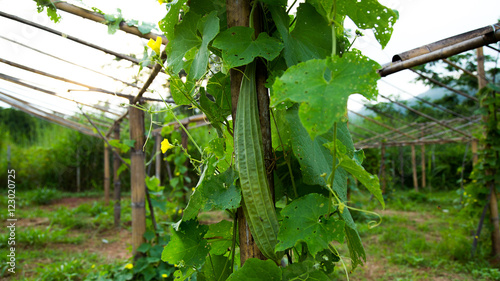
<point x="137" y="179"/>
<point x="494" y="218"/>
<point x="414" y="168"/>
<point x="116" y="180"/>
<point x="422" y="147"/>
<point x="401" y="165"/>
<point x="78" y="180"/>
<point x="474" y="152"/>
<point x="382" y="167"/>
<point x="238" y="15"/>
<point x="158" y="156"/>
<point x="106" y="174"/>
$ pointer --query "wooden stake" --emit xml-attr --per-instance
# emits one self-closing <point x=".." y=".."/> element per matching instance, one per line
<point x="116" y="180"/>
<point x="158" y="156"/>
<point x="382" y="167"/>
<point x="78" y="183"/>
<point x="106" y="174"/>
<point x="474" y="151"/>
<point x="414" y="168"/>
<point x="423" y="165"/>
<point x="137" y="179"/>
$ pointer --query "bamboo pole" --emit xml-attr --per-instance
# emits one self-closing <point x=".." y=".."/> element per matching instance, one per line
<point x="442" y="53"/>
<point x="137" y="179"/>
<point x="427" y="117"/>
<point x="382" y="167"/>
<point x="444" y="85"/>
<point x="401" y="165"/>
<point x="78" y="183"/>
<point x="447" y="42"/>
<point x="415" y="142"/>
<point x="69" y="37"/>
<point x="422" y="151"/>
<point x="382" y="124"/>
<point x="474" y="152"/>
<point x="106" y="174"/>
<point x="69" y="62"/>
<point x="460" y="68"/>
<point x="494" y="216"/>
<point x="90" y="88"/>
<point x="158" y="156"/>
<point x="116" y="180"/>
<point x="90" y="15"/>
<point x="414" y="168"/>
<point x="238" y="12"/>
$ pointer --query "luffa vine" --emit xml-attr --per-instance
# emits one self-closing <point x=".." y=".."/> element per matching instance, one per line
<point x="312" y="72"/>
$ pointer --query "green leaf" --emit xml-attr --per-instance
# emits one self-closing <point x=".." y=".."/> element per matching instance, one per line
<point x="305" y="270"/>
<point x="216" y="268"/>
<point x="356" y="250"/>
<point x="145" y="27"/>
<point x="180" y="91"/>
<point x="221" y="235"/>
<point x="144" y="247"/>
<point x="238" y="47"/>
<point x="121" y="146"/>
<point x="322" y="87"/>
<point x="370" y="14"/>
<point x="220" y="107"/>
<point x="220" y="191"/>
<point x="208" y="26"/>
<point x="168" y="23"/>
<point x="129" y="142"/>
<point x="304" y="220"/>
<point x="187" y="245"/>
<point x="257" y="270"/>
<point x="310" y="39"/>
<point x="153" y="184"/>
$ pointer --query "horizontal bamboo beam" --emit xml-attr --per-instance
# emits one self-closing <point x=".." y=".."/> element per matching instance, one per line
<point x="450" y="41"/>
<point x="199" y="119"/>
<point x="91" y="88"/>
<point x="427" y="116"/>
<point x="452" y="64"/>
<point x="69" y="62"/>
<point x="381" y="124"/>
<point x="90" y="15"/>
<point x="488" y="38"/>
<point x="25" y="107"/>
<point x="414" y="142"/>
<point x="72" y="38"/>
<point x="434" y="81"/>
<point x="20" y="82"/>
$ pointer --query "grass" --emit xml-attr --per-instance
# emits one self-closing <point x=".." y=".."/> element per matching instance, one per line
<point x="424" y="238"/>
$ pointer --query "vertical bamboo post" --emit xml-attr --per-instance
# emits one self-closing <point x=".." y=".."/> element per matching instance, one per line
<point x="8" y="157"/>
<point x="382" y="167"/>
<point x="238" y="12"/>
<point x="106" y="174"/>
<point x="78" y="179"/>
<point x="422" y="147"/>
<point x="414" y="168"/>
<point x="474" y="152"/>
<point x="158" y="156"/>
<point x="116" y="180"/>
<point x="137" y="179"/>
<point x="494" y="218"/>
<point x="401" y="166"/>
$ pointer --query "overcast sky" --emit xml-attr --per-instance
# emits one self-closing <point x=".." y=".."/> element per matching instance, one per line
<point x="421" y="22"/>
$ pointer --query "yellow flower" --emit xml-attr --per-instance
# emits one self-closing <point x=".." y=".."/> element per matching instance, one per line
<point x="164" y="275"/>
<point x="165" y="145"/>
<point x="93" y="266"/>
<point x="162" y="1"/>
<point x="179" y="211"/>
<point x="155" y="45"/>
<point x="129" y="266"/>
<point x="192" y="189"/>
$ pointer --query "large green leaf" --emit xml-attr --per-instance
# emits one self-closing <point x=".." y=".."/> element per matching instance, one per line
<point x="187" y="245"/>
<point x="304" y="220"/>
<point x="306" y="270"/>
<point x="196" y="32"/>
<point x="216" y="268"/>
<point x="220" y="237"/>
<point x="208" y="26"/>
<point x="168" y="23"/>
<point x="257" y="270"/>
<point x="370" y="14"/>
<point x="238" y="47"/>
<point x="322" y="88"/>
<point x="356" y="250"/>
<point x="220" y="192"/>
<point x="310" y="39"/>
